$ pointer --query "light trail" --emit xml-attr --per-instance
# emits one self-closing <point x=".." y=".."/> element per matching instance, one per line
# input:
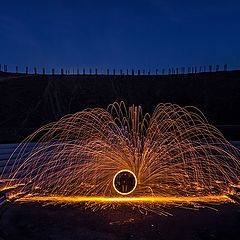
<point x="98" y="155"/>
<point x="10" y="187"/>
<point x="144" y="199"/>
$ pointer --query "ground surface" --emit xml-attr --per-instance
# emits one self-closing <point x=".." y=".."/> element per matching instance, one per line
<point x="33" y="221"/>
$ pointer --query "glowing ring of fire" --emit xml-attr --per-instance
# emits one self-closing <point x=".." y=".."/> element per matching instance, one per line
<point x="117" y="174"/>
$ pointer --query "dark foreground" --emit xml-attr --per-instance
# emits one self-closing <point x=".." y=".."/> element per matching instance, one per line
<point x="33" y="221"/>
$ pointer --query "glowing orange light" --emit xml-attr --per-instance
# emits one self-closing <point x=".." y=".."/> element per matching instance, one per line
<point x="174" y="156"/>
<point x="143" y="199"/>
<point x="134" y="177"/>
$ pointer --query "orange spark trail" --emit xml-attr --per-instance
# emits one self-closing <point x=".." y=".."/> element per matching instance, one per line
<point x="97" y="155"/>
<point x="144" y="199"/>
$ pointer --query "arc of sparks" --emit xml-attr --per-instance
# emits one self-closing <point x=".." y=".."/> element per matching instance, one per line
<point x="174" y="155"/>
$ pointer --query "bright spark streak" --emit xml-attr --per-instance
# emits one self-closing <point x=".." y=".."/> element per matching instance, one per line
<point x="143" y="199"/>
<point x="10" y="187"/>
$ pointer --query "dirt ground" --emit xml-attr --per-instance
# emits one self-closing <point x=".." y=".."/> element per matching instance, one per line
<point x="34" y="221"/>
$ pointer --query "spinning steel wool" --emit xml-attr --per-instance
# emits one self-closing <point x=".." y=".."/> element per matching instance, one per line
<point x="99" y="156"/>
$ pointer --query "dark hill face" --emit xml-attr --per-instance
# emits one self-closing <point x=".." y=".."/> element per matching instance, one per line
<point x="30" y="101"/>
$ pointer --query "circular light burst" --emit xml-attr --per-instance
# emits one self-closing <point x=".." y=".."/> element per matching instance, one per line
<point x="174" y="155"/>
<point x="124" y="182"/>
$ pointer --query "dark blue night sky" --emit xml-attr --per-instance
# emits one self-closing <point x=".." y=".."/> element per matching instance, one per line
<point x="119" y="34"/>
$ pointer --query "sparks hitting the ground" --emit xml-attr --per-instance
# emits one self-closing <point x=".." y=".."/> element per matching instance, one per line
<point x="99" y="156"/>
<point x="77" y="199"/>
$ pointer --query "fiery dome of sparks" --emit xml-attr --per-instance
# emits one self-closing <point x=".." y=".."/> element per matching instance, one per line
<point x="100" y="155"/>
